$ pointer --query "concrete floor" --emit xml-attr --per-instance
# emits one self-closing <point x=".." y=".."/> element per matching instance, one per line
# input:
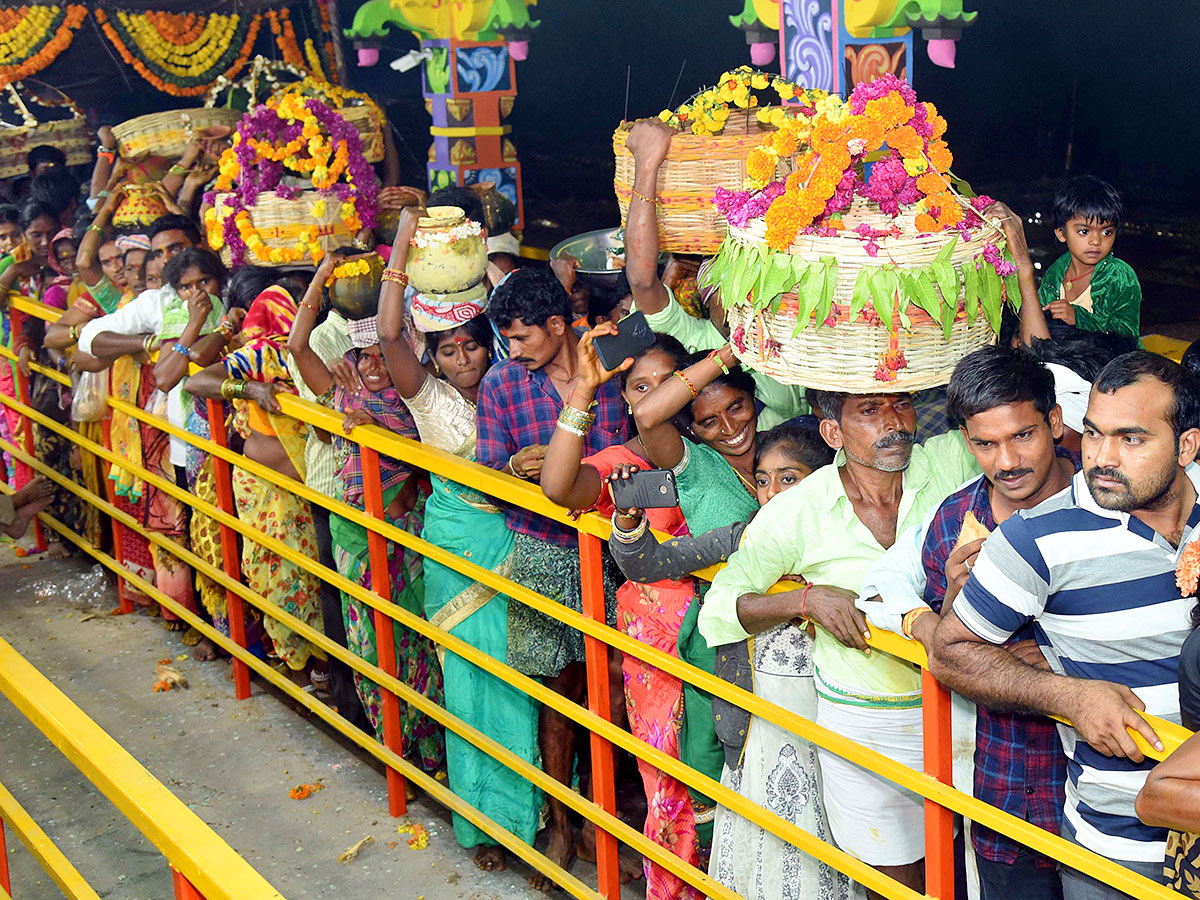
<point x="232" y="762"/>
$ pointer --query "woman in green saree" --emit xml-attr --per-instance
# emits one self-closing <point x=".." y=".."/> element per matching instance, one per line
<point x="469" y="525"/>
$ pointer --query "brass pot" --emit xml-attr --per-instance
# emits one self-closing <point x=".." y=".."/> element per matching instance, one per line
<point x="357" y="296"/>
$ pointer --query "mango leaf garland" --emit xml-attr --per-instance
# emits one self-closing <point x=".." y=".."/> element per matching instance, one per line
<point x="824" y="284"/>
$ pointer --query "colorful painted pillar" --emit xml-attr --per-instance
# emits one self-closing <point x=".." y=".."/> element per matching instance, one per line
<point x="834" y="44"/>
<point x="470" y="88"/>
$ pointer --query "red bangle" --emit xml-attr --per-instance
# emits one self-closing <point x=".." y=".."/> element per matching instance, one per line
<point x="687" y="381"/>
<point x="804" y="598"/>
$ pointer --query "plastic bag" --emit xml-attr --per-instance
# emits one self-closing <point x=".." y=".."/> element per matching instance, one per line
<point x="89" y="397"/>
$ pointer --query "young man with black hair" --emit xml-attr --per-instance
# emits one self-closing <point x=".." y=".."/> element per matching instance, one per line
<point x="44" y="157"/>
<point x="520" y="402"/>
<point x="1093" y="569"/>
<point x="1087" y="287"/>
<point x="1005" y="404"/>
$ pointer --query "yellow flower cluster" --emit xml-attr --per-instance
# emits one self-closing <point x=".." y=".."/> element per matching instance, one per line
<point x="707" y="111"/>
<point x="352" y="269"/>
<point x="32" y="21"/>
<point x="187" y="60"/>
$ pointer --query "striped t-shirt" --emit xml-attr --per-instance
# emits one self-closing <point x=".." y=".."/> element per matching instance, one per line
<point x="1100" y="587"/>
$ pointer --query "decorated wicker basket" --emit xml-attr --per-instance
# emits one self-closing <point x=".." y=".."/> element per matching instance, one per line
<point x="166" y="134"/>
<point x="35" y="114"/>
<point x="718" y="128"/>
<point x="843" y="352"/>
<point x="861" y="279"/>
<point x="279" y="224"/>
<point x="697" y="165"/>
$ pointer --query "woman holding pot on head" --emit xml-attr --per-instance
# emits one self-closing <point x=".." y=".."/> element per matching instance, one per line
<point x="361" y="388"/>
<point x="468" y="524"/>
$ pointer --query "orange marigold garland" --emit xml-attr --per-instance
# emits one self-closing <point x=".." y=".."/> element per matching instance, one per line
<point x="883" y="115"/>
<point x="1187" y="572"/>
<point x="32" y="37"/>
<point x="285" y="37"/>
<point x="328" y="49"/>
<point x="222" y="47"/>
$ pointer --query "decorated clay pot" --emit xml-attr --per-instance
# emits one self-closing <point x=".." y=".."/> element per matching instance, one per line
<point x="356" y="295"/>
<point x="447" y="253"/>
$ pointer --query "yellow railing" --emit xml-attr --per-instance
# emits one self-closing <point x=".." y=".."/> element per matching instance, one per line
<point x="204" y="865"/>
<point x="933" y="784"/>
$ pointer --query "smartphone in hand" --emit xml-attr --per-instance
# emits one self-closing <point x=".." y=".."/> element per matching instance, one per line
<point x="633" y="336"/>
<point x="648" y="489"/>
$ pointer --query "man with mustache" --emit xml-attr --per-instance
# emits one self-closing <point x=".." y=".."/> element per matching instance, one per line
<point x="829" y="529"/>
<point x="1093" y="569"/>
<point x="1005" y="404"/>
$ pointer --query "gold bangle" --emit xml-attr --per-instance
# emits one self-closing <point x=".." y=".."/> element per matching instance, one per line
<point x="688" y="383"/>
<point x="227" y="388"/>
<point x="178" y="170"/>
<point x="653" y="201"/>
<point x="395" y="275"/>
<point x="147" y="344"/>
<point x="74" y="334"/>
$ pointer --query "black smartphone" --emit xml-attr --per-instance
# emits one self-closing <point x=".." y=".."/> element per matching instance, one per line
<point x="651" y="489"/>
<point x="633" y="336"/>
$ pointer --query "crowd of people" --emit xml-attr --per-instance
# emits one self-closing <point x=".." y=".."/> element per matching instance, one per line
<point x="1044" y="497"/>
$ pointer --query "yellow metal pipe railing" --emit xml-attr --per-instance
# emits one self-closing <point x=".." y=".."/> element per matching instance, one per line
<point x="513" y="490"/>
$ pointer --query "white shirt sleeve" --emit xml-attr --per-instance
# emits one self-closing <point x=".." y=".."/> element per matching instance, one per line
<point x="142" y="315"/>
<point x="897" y="578"/>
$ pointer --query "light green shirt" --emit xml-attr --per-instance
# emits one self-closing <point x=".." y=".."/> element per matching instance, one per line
<point x="780" y="401"/>
<point x="812" y="530"/>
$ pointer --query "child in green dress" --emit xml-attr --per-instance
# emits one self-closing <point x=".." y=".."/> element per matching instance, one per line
<point x="1087" y="287"/>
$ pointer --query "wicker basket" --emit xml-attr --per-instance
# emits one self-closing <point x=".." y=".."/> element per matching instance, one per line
<point x="695" y="167"/>
<point x="279" y="223"/>
<point x="370" y="124"/>
<point x="844" y="356"/>
<point x="70" y="134"/>
<point x="167" y="133"/>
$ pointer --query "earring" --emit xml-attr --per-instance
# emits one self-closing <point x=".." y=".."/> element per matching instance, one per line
<point x="629" y="409"/>
<point x="437" y="370"/>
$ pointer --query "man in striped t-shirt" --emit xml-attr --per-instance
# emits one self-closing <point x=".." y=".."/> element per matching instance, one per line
<point x="1094" y="568"/>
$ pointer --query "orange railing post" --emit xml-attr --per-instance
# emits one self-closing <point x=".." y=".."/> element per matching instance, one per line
<point x="385" y="626"/>
<point x="230" y="561"/>
<point x="939" y="763"/>
<point x="4" y="877"/>
<point x="604" y="783"/>
<point x="184" y="889"/>
<point x="16" y="321"/>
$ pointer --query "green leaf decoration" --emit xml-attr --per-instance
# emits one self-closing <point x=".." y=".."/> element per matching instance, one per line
<point x="971" y="290"/>
<point x="809" y="295"/>
<point x="925" y="296"/>
<point x="828" y="282"/>
<point x="883" y="293"/>
<point x="990" y="296"/>
<point x="773" y="282"/>
<point x="905" y="321"/>
<point x="947" y="252"/>
<point x="862" y="293"/>
<point x="720" y="265"/>
<point x="1012" y="284"/>
<point x="947" y="281"/>
<point x="742" y="274"/>
<point x="948" y="315"/>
